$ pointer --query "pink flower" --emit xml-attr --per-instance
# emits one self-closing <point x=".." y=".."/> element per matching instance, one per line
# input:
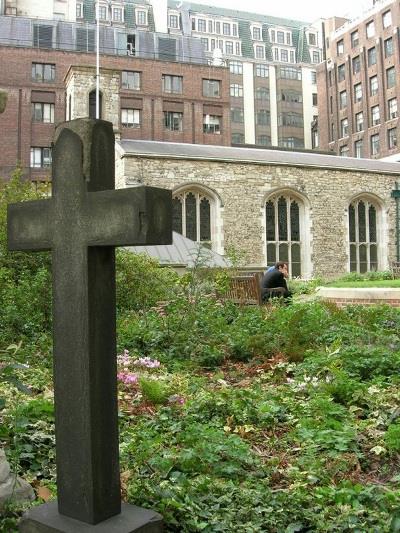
<point x="147" y="362"/>
<point x="127" y="378"/>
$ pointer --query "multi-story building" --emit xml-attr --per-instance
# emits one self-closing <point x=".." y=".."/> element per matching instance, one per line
<point x="272" y="63"/>
<point x="359" y="85"/>
<point x="271" y="60"/>
<point x="152" y="86"/>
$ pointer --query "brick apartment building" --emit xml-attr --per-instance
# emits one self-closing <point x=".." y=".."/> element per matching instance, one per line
<point x="151" y="99"/>
<point x="359" y="85"/>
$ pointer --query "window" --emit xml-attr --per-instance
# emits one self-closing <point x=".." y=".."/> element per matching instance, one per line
<point x="373" y="85"/>
<point x="235" y="67"/>
<point x="363" y="236"/>
<point x="343" y="99"/>
<point x="370" y="29"/>
<point x="102" y="13"/>
<point x="79" y="11"/>
<point x="117" y="15"/>
<point x="311" y="39"/>
<point x="290" y="142"/>
<point x="210" y="26"/>
<point x="313" y="77"/>
<point x="315" y="57"/>
<point x="262" y="117"/>
<point x="344" y="151"/>
<point x="387" y="19"/>
<point x="43" y="72"/>
<point x="174" y="21"/>
<point x="287" y="95"/>
<point x="359" y="121"/>
<point x="375" y="115"/>
<point x="229" y="47"/>
<point x="392" y="138"/>
<point x="344" y="127"/>
<point x="42" y="36"/>
<point x="226" y="28"/>
<point x="288" y="38"/>
<point x="172" y="84"/>
<point x="238" y="49"/>
<point x="262" y="93"/>
<point x="280" y="37"/>
<point x="392" y="108"/>
<point x="358" y="148"/>
<point x="290" y="119"/>
<point x="357" y="92"/>
<point x="388" y="47"/>
<point x="85" y="39"/>
<point x="237" y="115"/>
<point x="276" y="54"/>
<point x="340" y="47"/>
<point x="257" y="34"/>
<point x="130" y="80"/>
<point x="193" y="24"/>
<point x="173" y="121"/>
<point x="273" y="38"/>
<point x="40" y="157"/>
<point x="371" y="56"/>
<point x="290" y="73"/>
<point x="260" y="52"/>
<point x="332" y="132"/>
<point x="356" y="64"/>
<point x="284" y="56"/>
<point x="262" y="71"/>
<point x="201" y="25"/>
<point x="234" y="30"/>
<point x="263" y="140"/>
<point x="42" y="112"/>
<point x="314" y="99"/>
<point x="331" y="103"/>
<point x="354" y="39"/>
<point x="236" y="90"/>
<point x="211" y="88"/>
<point x="217" y="27"/>
<point x="211" y="124"/>
<point x="375" y="144"/>
<point x="292" y="59"/>
<point x="390" y="77"/>
<point x="283" y="232"/>
<point x="237" y="138"/>
<point x="130" y="118"/>
<point x="191" y="215"/>
<point x="204" y="42"/>
<point x="341" y="72"/>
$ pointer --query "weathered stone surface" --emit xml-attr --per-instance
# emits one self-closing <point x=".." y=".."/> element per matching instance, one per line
<point x="12" y="487"/>
<point x="132" y="519"/>
<point x="240" y="191"/>
<point x="82" y="223"/>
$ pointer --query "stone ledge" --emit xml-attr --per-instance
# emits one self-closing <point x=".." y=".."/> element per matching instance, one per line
<point x="360" y="296"/>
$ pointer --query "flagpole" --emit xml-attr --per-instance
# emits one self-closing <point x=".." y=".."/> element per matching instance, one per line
<point x="97" y="62"/>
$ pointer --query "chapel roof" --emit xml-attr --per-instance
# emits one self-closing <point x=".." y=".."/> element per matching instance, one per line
<point x="169" y="150"/>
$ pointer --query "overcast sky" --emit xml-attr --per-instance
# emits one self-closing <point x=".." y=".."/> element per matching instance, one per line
<point x="307" y="10"/>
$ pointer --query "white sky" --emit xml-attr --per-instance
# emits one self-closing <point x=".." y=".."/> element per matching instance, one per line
<point x="307" y="10"/>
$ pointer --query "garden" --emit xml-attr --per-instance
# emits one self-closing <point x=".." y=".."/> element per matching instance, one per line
<point x="274" y="419"/>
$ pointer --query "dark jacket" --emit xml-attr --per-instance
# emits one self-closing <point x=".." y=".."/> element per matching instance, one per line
<point x="273" y="280"/>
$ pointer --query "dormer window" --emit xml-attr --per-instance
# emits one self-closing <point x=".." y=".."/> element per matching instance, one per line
<point x="256" y="33"/>
<point x="259" y="52"/>
<point x="174" y="22"/>
<point x="117" y="14"/>
<point x="102" y="13"/>
<point x="141" y="17"/>
<point x="280" y="37"/>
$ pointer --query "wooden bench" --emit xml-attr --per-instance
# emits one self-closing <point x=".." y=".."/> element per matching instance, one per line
<point x="395" y="269"/>
<point x="244" y="290"/>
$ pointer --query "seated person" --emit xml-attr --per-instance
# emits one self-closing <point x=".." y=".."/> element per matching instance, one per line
<point x="273" y="283"/>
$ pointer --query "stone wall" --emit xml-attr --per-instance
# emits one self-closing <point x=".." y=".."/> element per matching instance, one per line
<point x="241" y="189"/>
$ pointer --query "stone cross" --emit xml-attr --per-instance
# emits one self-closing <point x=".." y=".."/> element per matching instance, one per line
<point x="81" y="224"/>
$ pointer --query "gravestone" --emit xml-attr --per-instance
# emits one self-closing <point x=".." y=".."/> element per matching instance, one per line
<point x="81" y="224"/>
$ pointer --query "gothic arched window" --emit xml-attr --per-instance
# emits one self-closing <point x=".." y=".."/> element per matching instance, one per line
<point x="192" y="215"/>
<point x="363" y="236"/>
<point x="283" y="235"/>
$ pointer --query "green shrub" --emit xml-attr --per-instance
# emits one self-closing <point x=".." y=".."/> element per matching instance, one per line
<point x="392" y="437"/>
<point x="154" y="391"/>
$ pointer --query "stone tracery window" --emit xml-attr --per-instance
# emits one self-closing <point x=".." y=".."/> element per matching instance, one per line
<point x="283" y="232"/>
<point x="192" y="215"/>
<point x="363" y="236"/>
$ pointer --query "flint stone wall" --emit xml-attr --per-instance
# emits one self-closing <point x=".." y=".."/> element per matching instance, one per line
<point x="244" y="187"/>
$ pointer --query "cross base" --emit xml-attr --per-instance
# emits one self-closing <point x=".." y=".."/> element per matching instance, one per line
<point x="46" y="519"/>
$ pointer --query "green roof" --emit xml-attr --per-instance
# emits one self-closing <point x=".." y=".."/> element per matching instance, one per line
<point x="239" y="15"/>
